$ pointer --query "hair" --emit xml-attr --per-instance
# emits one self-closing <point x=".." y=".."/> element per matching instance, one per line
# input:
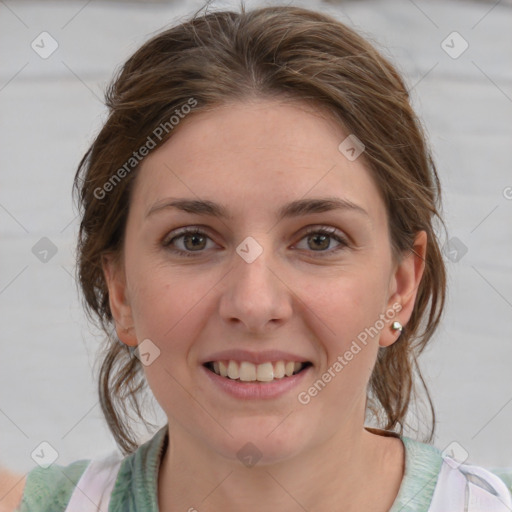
<point x="215" y="58"/>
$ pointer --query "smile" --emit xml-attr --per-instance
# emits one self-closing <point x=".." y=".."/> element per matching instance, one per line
<point x="245" y="371"/>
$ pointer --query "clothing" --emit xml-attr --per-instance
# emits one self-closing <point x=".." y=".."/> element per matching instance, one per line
<point x="135" y="488"/>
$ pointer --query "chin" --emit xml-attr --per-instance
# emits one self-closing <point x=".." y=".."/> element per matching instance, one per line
<point x="261" y="441"/>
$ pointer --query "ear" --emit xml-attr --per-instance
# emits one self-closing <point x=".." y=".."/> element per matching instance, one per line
<point x="403" y="287"/>
<point x="115" y="276"/>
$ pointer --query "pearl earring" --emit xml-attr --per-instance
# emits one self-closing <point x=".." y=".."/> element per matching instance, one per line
<point x="397" y="326"/>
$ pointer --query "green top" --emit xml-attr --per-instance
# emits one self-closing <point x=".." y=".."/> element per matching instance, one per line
<point x="135" y="490"/>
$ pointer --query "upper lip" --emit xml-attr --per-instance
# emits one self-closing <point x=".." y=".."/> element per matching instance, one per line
<point x="254" y="357"/>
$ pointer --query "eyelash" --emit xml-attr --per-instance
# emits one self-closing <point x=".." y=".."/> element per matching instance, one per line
<point x="328" y="231"/>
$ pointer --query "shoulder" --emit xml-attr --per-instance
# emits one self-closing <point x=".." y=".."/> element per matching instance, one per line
<point x="505" y="475"/>
<point x="465" y="486"/>
<point x="422" y="466"/>
<point x="453" y="483"/>
<point x="49" y="489"/>
<point x="112" y="482"/>
<point x="11" y="490"/>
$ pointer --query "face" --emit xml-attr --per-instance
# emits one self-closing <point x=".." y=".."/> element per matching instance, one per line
<point x="254" y="246"/>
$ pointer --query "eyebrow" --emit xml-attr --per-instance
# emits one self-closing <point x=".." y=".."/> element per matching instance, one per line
<point x="296" y="208"/>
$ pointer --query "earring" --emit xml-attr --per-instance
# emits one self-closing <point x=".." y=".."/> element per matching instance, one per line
<point x="397" y="326"/>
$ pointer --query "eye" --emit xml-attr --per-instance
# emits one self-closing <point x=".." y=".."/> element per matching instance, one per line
<point x="319" y="239"/>
<point x="187" y="241"/>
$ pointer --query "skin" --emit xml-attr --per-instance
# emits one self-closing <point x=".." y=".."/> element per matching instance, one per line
<point x="254" y="157"/>
<point x="11" y="490"/>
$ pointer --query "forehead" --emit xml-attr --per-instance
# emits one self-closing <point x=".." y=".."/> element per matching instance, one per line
<point x="256" y="155"/>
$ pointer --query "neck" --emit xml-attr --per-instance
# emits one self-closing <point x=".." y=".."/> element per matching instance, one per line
<point x="360" y="471"/>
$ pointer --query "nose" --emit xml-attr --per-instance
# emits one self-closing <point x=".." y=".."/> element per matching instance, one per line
<point x="254" y="295"/>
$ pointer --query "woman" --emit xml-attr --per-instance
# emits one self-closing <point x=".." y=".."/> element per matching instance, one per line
<point x="257" y="240"/>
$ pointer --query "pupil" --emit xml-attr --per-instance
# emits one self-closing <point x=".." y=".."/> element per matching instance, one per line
<point x="194" y="239"/>
<point x="324" y="240"/>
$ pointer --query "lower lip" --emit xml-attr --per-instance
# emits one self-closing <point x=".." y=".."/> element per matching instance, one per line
<point x="256" y="390"/>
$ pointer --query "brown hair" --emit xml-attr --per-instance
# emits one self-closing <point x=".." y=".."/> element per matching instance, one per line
<point x="274" y="52"/>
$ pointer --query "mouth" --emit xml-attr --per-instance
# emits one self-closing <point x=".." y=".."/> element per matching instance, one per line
<point x="245" y="371"/>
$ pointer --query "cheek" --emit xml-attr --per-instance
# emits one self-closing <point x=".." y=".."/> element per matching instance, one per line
<point x="169" y="305"/>
<point x="347" y="304"/>
<point x="169" y="308"/>
<point x="343" y="314"/>
<point x="155" y="310"/>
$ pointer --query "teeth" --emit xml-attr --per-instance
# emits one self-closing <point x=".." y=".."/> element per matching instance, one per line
<point x="265" y="372"/>
<point x="233" y="370"/>
<point x="279" y="371"/>
<point x="223" y="369"/>
<point x="249" y="372"/>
